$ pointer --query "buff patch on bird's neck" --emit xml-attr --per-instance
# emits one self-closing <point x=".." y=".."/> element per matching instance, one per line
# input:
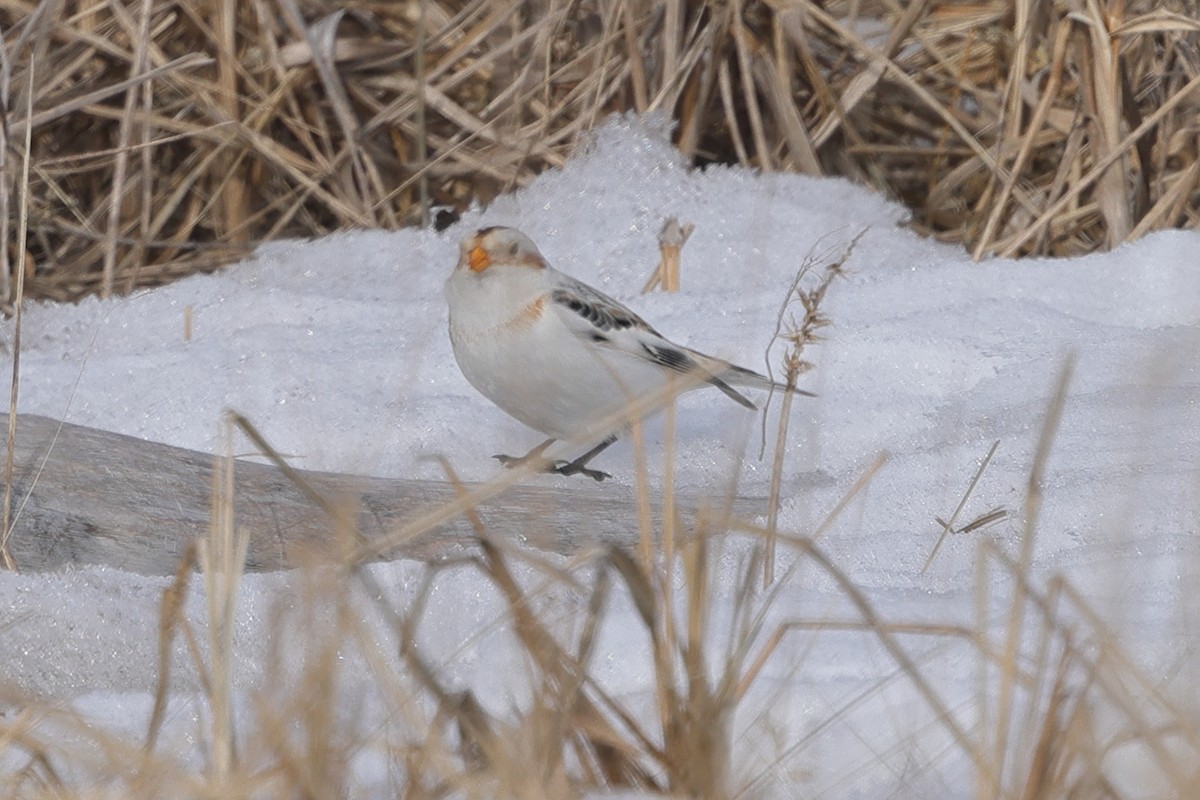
<point x="529" y="314"/>
<point x="524" y="319"/>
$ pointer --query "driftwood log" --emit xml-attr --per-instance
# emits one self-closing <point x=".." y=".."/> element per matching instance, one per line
<point x="84" y="496"/>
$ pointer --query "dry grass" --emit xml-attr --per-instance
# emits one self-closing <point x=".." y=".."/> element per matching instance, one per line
<point x="1061" y="710"/>
<point x="167" y="137"/>
<point x="148" y="159"/>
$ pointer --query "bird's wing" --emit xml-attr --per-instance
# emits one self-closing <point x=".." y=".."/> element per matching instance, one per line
<point x="606" y="324"/>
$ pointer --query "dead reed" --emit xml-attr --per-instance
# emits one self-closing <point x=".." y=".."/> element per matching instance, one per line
<point x="167" y="137"/>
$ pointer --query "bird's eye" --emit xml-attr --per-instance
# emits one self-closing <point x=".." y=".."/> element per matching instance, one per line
<point x="513" y="248"/>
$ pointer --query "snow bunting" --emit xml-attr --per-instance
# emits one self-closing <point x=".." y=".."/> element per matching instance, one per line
<point x="558" y="355"/>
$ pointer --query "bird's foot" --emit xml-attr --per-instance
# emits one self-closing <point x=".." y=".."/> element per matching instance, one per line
<point x="577" y="468"/>
<point x="551" y="467"/>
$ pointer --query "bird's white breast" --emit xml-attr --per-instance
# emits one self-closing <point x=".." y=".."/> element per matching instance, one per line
<point x="512" y="344"/>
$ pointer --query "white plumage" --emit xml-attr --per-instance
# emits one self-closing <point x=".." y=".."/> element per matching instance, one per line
<point x="557" y="354"/>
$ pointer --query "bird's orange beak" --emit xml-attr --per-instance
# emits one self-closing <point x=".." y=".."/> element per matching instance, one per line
<point x="478" y="259"/>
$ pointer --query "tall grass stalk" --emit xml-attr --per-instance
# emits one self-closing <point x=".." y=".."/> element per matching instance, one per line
<point x="222" y="558"/>
<point x="18" y="304"/>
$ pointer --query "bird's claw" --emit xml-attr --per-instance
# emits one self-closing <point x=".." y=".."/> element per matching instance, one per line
<point x="553" y="467"/>
<point x="575" y="468"/>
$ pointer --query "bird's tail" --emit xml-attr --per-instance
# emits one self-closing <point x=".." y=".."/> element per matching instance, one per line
<point x="722" y="374"/>
<point x="740" y="376"/>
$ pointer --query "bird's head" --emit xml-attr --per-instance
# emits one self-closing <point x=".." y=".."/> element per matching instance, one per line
<point x="489" y="247"/>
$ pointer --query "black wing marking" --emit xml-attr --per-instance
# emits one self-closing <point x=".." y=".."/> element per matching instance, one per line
<point x="680" y="361"/>
<point x="602" y="312"/>
<point x="670" y="357"/>
<point x="605" y="314"/>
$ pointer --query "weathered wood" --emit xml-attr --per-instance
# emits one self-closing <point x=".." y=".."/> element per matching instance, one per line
<point x="107" y="499"/>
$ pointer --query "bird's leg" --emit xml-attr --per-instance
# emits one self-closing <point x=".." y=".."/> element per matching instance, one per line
<point x="533" y="455"/>
<point x="578" y="466"/>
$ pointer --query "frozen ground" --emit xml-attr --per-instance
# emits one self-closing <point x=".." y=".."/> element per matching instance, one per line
<point x="337" y="350"/>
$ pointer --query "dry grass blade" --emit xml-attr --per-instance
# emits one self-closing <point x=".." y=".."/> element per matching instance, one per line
<point x="117" y="197"/>
<point x="1029" y="140"/>
<point x="797" y="334"/>
<point x="222" y="558"/>
<point x="560" y="678"/>
<point x="170" y="618"/>
<point x="1017" y="608"/>
<point x="1095" y="702"/>
<point x="887" y="637"/>
<point x="18" y="300"/>
<point x="948" y="525"/>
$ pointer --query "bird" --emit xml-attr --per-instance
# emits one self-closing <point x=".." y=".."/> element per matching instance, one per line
<point x="560" y="356"/>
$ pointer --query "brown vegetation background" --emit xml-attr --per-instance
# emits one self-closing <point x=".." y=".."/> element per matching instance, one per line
<point x="147" y="139"/>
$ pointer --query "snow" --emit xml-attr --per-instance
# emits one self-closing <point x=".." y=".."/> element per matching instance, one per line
<point x="337" y="350"/>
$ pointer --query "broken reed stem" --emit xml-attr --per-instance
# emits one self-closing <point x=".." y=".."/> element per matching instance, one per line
<point x="671" y="240"/>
